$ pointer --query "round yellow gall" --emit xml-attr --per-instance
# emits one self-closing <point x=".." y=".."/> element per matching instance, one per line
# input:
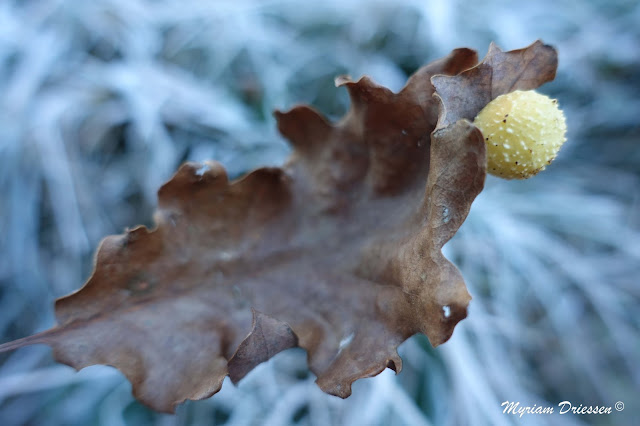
<point x="523" y="131"/>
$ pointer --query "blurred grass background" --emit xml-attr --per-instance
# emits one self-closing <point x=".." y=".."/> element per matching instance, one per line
<point x="102" y="101"/>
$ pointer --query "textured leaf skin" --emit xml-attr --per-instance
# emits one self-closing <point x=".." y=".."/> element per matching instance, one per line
<point x="338" y="252"/>
<point x="465" y="95"/>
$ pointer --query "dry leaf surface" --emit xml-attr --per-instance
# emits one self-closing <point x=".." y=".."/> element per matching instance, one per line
<point x="338" y="252"/>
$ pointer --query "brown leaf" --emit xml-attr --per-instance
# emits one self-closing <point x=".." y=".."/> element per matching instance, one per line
<point x="338" y="252"/>
<point x="464" y="95"/>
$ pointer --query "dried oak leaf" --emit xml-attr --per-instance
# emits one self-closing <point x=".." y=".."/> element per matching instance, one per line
<point x="338" y="252"/>
<point x="464" y="95"/>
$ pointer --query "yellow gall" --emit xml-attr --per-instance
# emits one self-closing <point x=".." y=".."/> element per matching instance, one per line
<point x="524" y="131"/>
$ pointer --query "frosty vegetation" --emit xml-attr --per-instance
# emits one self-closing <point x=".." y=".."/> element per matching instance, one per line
<point x="102" y="101"/>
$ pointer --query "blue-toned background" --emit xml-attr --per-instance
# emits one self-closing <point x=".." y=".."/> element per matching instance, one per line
<point x="101" y="101"/>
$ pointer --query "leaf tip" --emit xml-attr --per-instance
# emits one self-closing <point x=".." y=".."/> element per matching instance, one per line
<point x="304" y="127"/>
